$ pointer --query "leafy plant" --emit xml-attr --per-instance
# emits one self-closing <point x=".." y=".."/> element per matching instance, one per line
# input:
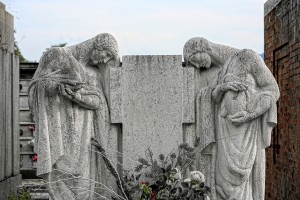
<point x="22" y="194"/>
<point x="164" y="177"/>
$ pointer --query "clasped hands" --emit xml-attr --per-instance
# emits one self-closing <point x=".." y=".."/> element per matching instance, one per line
<point x="70" y="90"/>
<point x="218" y="93"/>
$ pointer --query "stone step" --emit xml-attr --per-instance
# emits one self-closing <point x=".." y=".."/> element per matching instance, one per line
<point x="36" y="189"/>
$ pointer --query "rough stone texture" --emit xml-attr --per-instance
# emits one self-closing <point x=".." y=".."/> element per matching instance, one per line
<point x="152" y="106"/>
<point x="282" y="56"/>
<point x="9" y="186"/>
<point x="270" y="5"/>
<point x="9" y="116"/>
<point x="115" y="95"/>
<point x="69" y="97"/>
<point x="195" y="51"/>
<point x="188" y="95"/>
<point x="236" y="109"/>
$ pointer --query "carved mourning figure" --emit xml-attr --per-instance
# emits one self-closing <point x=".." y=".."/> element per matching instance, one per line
<point x="207" y="58"/>
<point x="235" y="116"/>
<point x="68" y="99"/>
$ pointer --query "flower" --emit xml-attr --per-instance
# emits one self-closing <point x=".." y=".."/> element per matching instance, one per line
<point x="34" y="157"/>
<point x="31" y="143"/>
<point x="31" y="127"/>
<point x="173" y="156"/>
<point x="196" y="177"/>
<point x="152" y="196"/>
<point x="163" y="194"/>
<point x="175" y="175"/>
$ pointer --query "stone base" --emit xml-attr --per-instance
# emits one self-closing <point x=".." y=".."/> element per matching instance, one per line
<point x="9" y="186"/>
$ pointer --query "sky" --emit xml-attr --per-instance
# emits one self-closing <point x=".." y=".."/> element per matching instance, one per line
<point x="141" y="27"/>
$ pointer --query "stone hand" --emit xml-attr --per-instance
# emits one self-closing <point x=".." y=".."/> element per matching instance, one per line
<point x="218" y="92"/>
<point x="73" y="85"/>
<point x="235" y="86"/>
<point x="240" y="118"/>
<point x="69" y="91"/>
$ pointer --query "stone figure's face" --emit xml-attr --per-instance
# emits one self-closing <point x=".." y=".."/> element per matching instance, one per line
<point x="200" y="60"/>
<point x="99" y="57"/>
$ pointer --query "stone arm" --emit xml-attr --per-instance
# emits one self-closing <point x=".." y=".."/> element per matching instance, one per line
<point x="267" y="87"/>
<point x="259" y="107"/>
<point x="219" y="91"/>
<point x="88" y="99"/>
<point x="264" y="78"/>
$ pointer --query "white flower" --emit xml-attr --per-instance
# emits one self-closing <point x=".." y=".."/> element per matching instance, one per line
<point x="196" y="177"/>
<point x="175" y="174"/>
<point x="31" y="142"/>
<point x="163" y="194"/>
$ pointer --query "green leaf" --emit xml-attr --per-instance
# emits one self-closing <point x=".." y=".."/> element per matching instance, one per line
<point x="189" y="149"/>
<point x="184" y="184"/>
<point x="138" y="168"/>
<point x="183" y="145"/>
<point x="138" y="177"/>
<point x="173" y="156"/>
<point x="161" y="157"/>
<point x="179" y="189"/>
<point x="173" y="191"/>
<point x="143" y="161"/>
<point x="185" y="193"/>
<point x="201" y="185"/>
<point x="168" y="168"/>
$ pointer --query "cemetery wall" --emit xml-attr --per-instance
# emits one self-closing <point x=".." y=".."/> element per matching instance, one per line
<point x="282" y="56"/>
<point x="9" y="107"/>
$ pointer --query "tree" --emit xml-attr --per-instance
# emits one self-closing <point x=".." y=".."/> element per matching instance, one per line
<point x="57" y="45"/>
<point x="19" y="53"/>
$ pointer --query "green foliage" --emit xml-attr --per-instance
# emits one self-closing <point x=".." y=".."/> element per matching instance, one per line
<point x="21" y="195"/>
<point x="19" y="53"/>
<point x="58" y="45"/>
<point x="164" y="176"/>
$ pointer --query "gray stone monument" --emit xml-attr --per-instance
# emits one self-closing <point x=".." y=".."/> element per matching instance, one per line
<point x="223" y="97"/>
<point x="153" y="105"/>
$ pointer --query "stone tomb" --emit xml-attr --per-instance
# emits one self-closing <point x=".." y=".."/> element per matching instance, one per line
<point x="224" y="97"/>
<point x="152" y="97"/>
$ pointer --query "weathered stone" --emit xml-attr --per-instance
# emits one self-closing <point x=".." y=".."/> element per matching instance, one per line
<point x="223" y="95"/>
<point x="152" y="106"/>
<point x="236" y="111"/>
<point x="69" y="98"/>
<point x="270" y="5"/>
<point x="9" y="116"/>
<point x="9" y="186"/>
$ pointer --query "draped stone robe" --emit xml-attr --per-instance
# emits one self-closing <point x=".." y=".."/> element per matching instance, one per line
<point x="238" y="168"/>
<point x="66" y="159"/>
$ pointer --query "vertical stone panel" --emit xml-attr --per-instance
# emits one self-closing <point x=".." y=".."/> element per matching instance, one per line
<point x="115" y="95"/>
<point x="8" y="113"/>
<point x="188" y="95"/>
<point x="9" y="32"/>
<point x="152" y="105"/>
<point x="15" y="119"/>
<point x="2" y="90"/>
<point x="2" y="118"/>
<point x="10" y="177"/>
